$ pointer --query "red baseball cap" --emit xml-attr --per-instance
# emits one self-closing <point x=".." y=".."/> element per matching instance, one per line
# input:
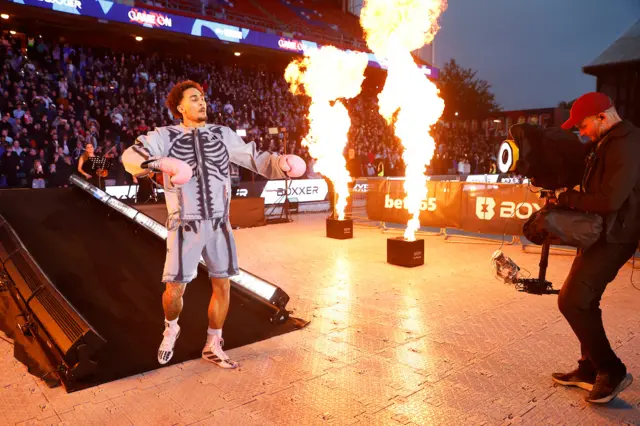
<point x="589" y="104"/>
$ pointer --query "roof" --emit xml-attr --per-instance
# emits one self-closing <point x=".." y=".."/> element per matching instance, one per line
<point x="623" y="50"/>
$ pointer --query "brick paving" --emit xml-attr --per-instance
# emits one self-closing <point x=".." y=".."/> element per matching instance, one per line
<point x="445" y="343"/>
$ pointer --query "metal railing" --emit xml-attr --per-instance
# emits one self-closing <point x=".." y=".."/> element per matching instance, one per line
<point x="358" y="213"/>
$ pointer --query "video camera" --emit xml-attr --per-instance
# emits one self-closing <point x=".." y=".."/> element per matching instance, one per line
<point x="551" y="157"/>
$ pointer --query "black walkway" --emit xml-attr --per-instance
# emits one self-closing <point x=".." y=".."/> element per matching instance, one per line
<point x="110" y="269"/>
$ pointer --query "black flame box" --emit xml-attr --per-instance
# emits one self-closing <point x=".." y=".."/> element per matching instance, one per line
<point x="340" y="229"/>
<point x="401" y="252"/>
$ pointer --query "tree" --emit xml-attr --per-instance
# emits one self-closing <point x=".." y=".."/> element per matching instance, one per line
<point x="565" y="104"/>
<point x="464" y="93"/>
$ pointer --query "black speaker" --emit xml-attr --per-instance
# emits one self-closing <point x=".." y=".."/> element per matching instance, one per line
<point x="247" y="212"/>
<point x="46" y="313"/>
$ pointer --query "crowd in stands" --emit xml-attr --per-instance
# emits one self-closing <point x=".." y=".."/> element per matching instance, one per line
<point x="56" y="98"/>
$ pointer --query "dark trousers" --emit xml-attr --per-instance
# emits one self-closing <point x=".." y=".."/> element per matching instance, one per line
<point x="12" y="180"/>
<point x="579" y="301"/>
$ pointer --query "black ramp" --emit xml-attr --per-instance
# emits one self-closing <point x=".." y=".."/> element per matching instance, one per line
<point x="109" y="269"/>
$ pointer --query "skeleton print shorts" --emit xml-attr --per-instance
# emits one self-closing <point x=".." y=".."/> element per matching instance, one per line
<point x="187" y="241"/>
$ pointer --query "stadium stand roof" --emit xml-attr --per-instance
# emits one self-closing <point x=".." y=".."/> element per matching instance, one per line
<point x="316" y="20"/>
<point x="626" y="49"/>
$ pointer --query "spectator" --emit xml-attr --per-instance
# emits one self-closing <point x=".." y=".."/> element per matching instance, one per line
<point x="63" y="96"/>
<point x="354" y="166"/>
<point x="56" y="178"/>
<point x="36" y="175"/>
<point x="10" y="166"/>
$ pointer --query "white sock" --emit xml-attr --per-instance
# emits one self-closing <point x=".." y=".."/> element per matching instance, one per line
<point x="172" y="324"/>
<point x="211" y="332"/>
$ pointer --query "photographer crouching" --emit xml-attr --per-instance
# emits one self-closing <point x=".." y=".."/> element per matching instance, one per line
<point x="610" y="188"/>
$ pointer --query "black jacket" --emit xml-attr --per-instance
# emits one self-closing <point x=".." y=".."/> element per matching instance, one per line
<point x="611" y="184"/>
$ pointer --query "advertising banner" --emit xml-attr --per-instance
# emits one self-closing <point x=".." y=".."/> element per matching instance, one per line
<point x="107" y="10"/>
<point x="472" y="207"/>
<point x="441" y="208"/>
<point x="497" y="209"/>
<point x="486" y="208"/>
<point x="300" y="190"/>
<point x="273" y="191"/>
<point x="248" y="189"/>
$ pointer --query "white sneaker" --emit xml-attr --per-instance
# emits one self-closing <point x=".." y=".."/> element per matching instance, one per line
<point x="171" y="334"/>
<point x="214" y="353"/>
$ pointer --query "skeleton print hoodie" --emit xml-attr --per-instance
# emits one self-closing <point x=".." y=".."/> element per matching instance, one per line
<point x="208" y="150"/>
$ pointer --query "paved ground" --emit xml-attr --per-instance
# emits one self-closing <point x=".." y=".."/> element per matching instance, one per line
<point x="445" y="343"/>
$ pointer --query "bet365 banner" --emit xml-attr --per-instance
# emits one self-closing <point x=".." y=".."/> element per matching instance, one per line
<point x="386" y="203"/>
<point x="473" y="207"/>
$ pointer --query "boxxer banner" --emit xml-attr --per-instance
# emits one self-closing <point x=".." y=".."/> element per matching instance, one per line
<point x="497" y="209"/>
<point x="273" y="191"/>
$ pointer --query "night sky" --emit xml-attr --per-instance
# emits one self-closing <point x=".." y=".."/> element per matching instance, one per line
<point x="532" y="51"/>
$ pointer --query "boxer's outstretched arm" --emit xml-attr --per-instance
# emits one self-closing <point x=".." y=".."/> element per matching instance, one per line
<point x="147" y="154"/>
<point x="146" y="147"/>
<point x="271" y="166"/>
<point x="246" y="155"/>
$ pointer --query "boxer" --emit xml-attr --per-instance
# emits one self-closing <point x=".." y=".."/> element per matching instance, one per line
<point x="194" y="159"/>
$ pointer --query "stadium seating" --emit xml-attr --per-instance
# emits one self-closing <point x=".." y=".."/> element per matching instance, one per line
<point x="75" y="104"/>
<point x="316" y="21"/>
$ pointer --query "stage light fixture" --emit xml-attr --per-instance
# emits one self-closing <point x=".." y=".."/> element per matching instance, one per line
<point x="45" y="314"/>
<point x="121" y="207"/>
<point x="12" y="32"/>
<point x="251" y="282"/>
<point x="508" y="156"/>
<point x="4" y="16"/>
<point x="138" y="38"/>
<point x="237" y="53"/>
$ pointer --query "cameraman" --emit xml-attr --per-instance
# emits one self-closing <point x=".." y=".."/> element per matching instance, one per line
<point x="611" y="188"/>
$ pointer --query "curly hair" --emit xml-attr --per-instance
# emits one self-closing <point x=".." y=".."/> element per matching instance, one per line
<point x="175" y="96"/>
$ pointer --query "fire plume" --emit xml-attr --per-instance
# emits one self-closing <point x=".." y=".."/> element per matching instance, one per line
<point x="328" y="75"/>
<point x="409" y="100"/>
